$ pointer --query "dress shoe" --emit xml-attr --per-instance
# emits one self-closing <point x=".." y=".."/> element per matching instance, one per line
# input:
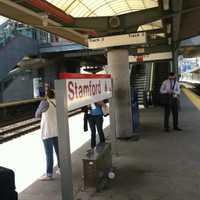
<point x="177" y="129"/>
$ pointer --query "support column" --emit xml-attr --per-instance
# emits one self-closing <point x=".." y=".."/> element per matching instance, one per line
<point x="50" y="75"/>
<point x="175" y="61"/>
<point x="119" y="64"/>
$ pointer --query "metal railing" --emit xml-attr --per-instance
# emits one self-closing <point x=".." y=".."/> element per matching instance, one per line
<point x="148" y="98"/>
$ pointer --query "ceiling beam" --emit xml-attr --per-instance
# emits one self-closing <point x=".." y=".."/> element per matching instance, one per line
<point x="50" y="10"/>
<point x="122" y="23"/>
<point x="99" y="24"/>
<point x="191" y="4"/>
<point x="19" y="13"/>
<point x="176" y="22"/>
<point x="190" y="25"/>
<point x="158" y="41"/>
<point x="136" y="19"/>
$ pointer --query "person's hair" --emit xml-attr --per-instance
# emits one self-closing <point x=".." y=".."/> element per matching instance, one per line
<point x="171" y="74"/>
<point x="50" y="94"/>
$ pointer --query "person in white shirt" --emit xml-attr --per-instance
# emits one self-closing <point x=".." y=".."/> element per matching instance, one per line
<point x="47" y="112"/>
<point x="170" y="89"/>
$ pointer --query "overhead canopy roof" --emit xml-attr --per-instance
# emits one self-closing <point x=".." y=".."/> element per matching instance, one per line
<point x="77" y="19"/>
<point x="97" y="8"/>
<point x="174" y="20"/>
<point x="94" y="8"/>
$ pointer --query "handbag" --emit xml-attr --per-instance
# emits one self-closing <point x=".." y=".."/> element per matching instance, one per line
<point x="174" y="101"/>
<point x="164" y="99"/>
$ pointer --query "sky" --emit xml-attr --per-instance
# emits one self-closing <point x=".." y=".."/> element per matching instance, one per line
<point x="2" y="19"/>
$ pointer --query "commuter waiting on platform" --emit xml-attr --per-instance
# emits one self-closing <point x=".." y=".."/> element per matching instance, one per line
<point x="170" y="91"/>
<point x="47" y="112"/>
<point x="95" y="119"/>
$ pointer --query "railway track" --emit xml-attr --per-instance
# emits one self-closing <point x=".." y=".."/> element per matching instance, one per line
<point x="16" y="130"/>
<point x="17" y="111"/>
<point x="193" y="87"/>
<point x="196" y="91"/>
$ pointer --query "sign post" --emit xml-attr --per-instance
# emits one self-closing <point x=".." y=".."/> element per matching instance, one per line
<point x="75" y="91"/>
<point x="64" y="140"/>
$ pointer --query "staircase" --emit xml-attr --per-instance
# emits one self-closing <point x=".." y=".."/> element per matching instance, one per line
<point x="14" y="51"/>
<point x="140" y="80"/>
<point x="24" y="84"/>
<point x="15" y="44"/>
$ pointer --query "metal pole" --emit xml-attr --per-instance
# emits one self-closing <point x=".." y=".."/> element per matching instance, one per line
<point x="175" y="61"/>
<point x="64" y="140"/>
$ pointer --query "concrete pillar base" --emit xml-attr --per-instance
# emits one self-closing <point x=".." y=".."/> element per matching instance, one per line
<point x="118" y="62"/>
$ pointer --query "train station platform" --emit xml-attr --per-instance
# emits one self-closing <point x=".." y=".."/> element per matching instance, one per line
<point x="160" y="166"/>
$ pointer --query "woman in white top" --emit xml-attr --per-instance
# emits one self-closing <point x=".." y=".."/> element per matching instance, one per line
<point x="47" y="112"/>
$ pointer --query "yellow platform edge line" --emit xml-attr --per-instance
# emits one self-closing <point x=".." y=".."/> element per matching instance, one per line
<point x="192" y="97"/>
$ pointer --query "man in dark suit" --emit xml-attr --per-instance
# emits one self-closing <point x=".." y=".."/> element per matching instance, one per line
<point x="170" y="90"/>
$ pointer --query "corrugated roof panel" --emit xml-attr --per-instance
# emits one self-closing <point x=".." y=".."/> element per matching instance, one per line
<point x="94" y="4"/>
<point x="123" y="6"/>
<point x="59" y="4"/>
<point x="65" y="5"/>
<point x="92" y="8"/>
<point x="106" y="10"/>
<point x="72" y="7"/>
<point x="136" y="5"/>
<point x="150" y="3"/>
<point x="153" y="25"/>
<point x="80" y="11"/>
<point x="120" y="8"/>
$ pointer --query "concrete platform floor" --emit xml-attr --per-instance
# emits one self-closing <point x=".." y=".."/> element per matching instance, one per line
<point x="160" y="166"/>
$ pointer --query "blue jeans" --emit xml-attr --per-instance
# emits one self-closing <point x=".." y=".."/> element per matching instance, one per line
<point x="96" y="122"/>
<point x="49" y="144"/>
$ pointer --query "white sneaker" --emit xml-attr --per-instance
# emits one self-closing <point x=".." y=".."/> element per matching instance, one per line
<point x="46" y="178"/>
<point x="58" y="171"/>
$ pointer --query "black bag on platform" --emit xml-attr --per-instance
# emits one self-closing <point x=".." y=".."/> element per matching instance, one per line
<point x="7" y="184"/>
<point x="164" y="99"/>
<point x="174" y="101"/>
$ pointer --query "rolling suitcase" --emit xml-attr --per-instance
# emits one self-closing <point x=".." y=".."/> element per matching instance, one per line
<point x="7" y="184"/>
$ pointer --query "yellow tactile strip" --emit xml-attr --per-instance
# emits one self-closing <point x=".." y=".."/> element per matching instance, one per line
<point x="195" y="99"/>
